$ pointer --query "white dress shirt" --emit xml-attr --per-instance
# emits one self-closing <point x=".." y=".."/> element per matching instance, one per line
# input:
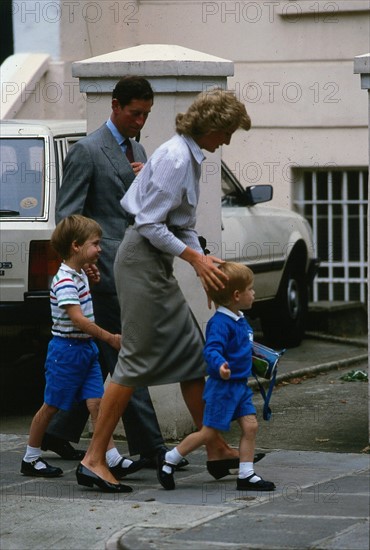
<point x="117" y="136"/>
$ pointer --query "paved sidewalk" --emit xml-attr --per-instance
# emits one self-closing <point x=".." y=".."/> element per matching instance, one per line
<point x="321" y="501"/>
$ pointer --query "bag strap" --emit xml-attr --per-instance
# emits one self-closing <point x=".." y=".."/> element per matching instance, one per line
<point x="266" y="396"/>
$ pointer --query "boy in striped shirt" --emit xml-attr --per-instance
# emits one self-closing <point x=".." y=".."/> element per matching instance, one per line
<point x="72" y="368"/>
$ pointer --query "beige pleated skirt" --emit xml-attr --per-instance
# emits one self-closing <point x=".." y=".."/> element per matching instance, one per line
<point x="161" y="341"/>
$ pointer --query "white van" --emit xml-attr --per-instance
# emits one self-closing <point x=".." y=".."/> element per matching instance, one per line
<point x="31" y="157"/>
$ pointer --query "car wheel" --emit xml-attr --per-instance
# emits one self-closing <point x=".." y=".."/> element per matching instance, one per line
<point x="283" y="324"/>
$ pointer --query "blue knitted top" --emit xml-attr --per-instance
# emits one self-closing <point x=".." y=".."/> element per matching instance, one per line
<point x="229" y="338"/>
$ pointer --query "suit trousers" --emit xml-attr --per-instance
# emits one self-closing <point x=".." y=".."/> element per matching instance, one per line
<point x="139" y="419"/>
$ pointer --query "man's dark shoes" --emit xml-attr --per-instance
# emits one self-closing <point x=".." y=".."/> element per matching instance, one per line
<point x="87" y="478"/>
<point x="165" y="479"/>
<point x="150" y="462"/>
<point x="61" y="447"/>
<point x="221" y="468"/>
<point x="119" y="471"/>
<point x="29" y="469"/>
<point x="261" y="485"/>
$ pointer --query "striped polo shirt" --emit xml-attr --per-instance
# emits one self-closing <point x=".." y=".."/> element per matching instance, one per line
<point x="69" y="287"/>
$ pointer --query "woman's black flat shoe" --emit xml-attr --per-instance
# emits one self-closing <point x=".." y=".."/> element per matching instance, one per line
<point x="221" y="468"/>
<point x="87" y="478"/>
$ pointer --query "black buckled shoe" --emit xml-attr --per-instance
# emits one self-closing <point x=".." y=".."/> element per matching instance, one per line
<point x="28" y="469"/>
<point x="166" y="480"/>
<point x="151" y="462"/>
<point x="61" y="447"/>
<point x="261" y="485"/>
<point x="119" y="471"/>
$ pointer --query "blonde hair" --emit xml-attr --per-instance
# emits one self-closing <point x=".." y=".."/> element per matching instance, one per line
<point x="240" y="276"/>
<point x="211" y="111"/>
<point x="73" y="228"/>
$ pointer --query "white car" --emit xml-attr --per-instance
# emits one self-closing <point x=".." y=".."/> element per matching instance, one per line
<point x="275" y="243"/>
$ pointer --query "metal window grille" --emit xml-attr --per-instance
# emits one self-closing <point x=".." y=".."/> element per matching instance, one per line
<point x="335" y="204"/>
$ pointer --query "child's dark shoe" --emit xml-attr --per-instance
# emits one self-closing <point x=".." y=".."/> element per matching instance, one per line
<point x="165" y="479"/>
<point x="29" y="469"/>
<point x="260" y="485"/>
<point x="151" y="462"/>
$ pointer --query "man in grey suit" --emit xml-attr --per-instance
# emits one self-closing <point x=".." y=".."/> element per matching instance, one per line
<point x="97" y="172"/>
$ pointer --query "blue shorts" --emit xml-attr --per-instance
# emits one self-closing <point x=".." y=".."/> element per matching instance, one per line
<point x="225" y="401"/>
<point x="72" y="372"/>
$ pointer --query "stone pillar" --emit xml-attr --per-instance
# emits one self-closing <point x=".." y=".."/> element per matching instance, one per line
<point x="362" y="67"/>
<point x="177" y="75"/>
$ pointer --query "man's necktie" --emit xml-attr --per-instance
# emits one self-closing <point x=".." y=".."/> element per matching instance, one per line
<point x="129" y="153"/>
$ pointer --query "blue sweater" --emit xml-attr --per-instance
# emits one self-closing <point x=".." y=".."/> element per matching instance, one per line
<point x="228" y="340"/>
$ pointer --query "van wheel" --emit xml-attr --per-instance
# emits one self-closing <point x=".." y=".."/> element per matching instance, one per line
<point x="283" y="324"/>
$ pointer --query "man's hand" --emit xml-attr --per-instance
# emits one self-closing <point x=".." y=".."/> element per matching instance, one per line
<point x="225" y="372"/>
<point x="137" y="166"/>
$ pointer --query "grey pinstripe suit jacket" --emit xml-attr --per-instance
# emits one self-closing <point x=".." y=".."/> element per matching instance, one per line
<point x="96" y="175"/>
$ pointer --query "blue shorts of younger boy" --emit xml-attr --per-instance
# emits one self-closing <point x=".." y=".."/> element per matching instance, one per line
<point x="225" y="401"/>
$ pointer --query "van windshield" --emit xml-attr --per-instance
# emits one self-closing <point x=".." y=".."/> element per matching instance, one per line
<point x="22" y="168"/>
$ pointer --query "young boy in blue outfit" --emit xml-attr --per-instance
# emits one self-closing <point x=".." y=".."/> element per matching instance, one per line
<point x="228" y="353"/>
<point x="72" y="369"/>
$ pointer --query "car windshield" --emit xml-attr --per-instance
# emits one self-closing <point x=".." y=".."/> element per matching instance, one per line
<point x="231" y="189"/>
<point x="21" y="177"/>
<point x="227" y="185"/>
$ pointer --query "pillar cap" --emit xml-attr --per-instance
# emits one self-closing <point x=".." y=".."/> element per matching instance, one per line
<point x="154" y="60"/>
<point x="362" y="67"/>
<point x="362" y="64"/>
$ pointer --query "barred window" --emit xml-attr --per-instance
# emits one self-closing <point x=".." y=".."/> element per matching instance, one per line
<point x="335" y="204"/>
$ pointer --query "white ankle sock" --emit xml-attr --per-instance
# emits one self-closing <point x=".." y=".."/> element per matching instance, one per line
<point x="173" y="457"/>
<point x="246" y="469"/>
<point x="32" y="453"/>
<point x="113" y="458"/>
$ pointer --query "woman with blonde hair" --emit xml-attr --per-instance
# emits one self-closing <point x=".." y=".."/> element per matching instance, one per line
<point x="161" y="342"/>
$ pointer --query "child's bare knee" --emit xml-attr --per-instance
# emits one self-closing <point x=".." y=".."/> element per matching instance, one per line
<point x="209" y="435"/>
<point x="249" y="425"/>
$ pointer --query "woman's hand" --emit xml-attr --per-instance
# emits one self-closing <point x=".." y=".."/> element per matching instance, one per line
<point x="206" y="268"/>
<point x="225" y="372"/>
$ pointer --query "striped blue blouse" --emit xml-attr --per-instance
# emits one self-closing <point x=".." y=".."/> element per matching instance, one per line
<point x="164" y="196"/>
